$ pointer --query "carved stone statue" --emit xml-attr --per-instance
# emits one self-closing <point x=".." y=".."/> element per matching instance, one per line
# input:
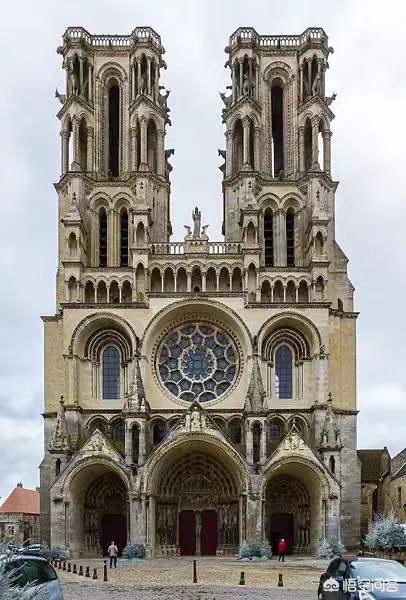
<point x="226" y="99"/>
<point x="188" y="229"/>
<point x="61" y="97"/>
<point x="316" y="87"/>
<point x="197" y="222"/>
<point x="330" y="99"/>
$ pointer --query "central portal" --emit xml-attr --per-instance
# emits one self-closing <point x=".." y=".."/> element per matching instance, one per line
<point x="197" y="508"/>
<point x="198" y="532"/>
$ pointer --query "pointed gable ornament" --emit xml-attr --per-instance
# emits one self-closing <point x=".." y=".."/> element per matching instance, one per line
<point x="330" y="435"/>
<point x="256" y="393"/>
<point x="135" y="400"/>
<point x="60" y="440"/>
<point x="72" y="214"/>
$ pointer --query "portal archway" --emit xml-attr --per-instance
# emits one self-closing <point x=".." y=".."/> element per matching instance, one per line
<point x="297" y="504"/>
<point x="195" y="500"/>
<point x="98" y="511"/>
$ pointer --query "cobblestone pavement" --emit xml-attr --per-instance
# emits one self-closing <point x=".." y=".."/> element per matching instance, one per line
<point x="217" y="578"/>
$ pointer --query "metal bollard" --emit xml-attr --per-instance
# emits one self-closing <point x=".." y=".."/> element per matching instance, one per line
<point x="64" y="566"/>
<point x="74" y="569"/>
<point x="59" y="564"/>
<point x="280" y="580"/>
<point x="105" y="571"/>
<point x="194" y="572"/>
<point x="87" y="572"/>
<point x="80" y="570"/>
<point x="242" y="578"/>
<point x="94" y="573"/>
<point x="69" y="568"/>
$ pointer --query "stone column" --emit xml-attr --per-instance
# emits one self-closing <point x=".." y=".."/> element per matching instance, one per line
<point x="280" y="258"/>
<point x="81" y="83"/>
<point x="149" y="60"/>
<point x="249" y="449"/>
<point x="156" y="91"/>
<point x="246" y="140"/>
<point x="262" y="450"/>
<point x="161" y="153"/>
<point x="240" y="62"/>
<point x="229" y="153"/>
<point x="189" y="282"/>
<point x="64" y="151"/>
<point x="89" y="158"/>
<point x="133" y="139"/>
<point x="309" y="77"/>
<point x="75" y="158"/>
<point x="90" y="77"/>
<point x="144" y="149"/>
<point x="301" y="66"/>
<point x="233" y="82"/>
<point x="203" y="282"/>
<point x="133" y="79"/>
<point x="315" y="142"/>
<point x="128" y="444"/>
<point x="142" y="443"/>
<point x="257" y="134"/>
<point x="110" y="240"/>
<point x="138" y="76"/>
<point x="301" y="149"/>
<point x="327" y="151"/>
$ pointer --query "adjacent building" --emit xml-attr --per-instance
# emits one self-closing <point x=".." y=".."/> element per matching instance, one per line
<point x="19" y="517"/>
<point x="199" y="393"/>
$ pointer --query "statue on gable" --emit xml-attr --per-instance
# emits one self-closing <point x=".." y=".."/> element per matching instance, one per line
<point x="197" y="222"/>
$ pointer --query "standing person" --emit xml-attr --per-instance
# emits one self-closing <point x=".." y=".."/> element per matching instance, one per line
<point x="282" y="549"/>
<point x="112" y="551"/>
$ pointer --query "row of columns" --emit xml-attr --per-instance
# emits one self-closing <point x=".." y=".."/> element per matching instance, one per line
<point x="146" y="86"/>
<point x="75" y="292"/>
<point x="237" y="76"/>
<point x="248" y="162"/>
<point x="141" y="162"/>
<point x="307" y="65"/>
<point x="140" y="424"/>
<point x="90" y="73"/>
<point x="203" y="279"/>
<point x="326" y="135"/>
<point x="73" y="136"/>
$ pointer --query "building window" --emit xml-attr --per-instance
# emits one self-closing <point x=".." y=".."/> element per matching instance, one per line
<point x="277" y="126"/>
<point x="290" y="238"/>
<point x="275" y="432"/>
<point x="57" y="467"/>
<point x="124" y="238"/>
<point x="114" y="128"/>
<point x="111" y="373"/>
<point x="103" y="238"/>
<point x="283" y="373"/>
<point x="268" y="238"/>
<point x="400" y="497"/>
<point x="332" y="464"/>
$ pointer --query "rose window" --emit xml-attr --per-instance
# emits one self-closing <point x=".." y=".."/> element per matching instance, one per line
<point x="197" y="362"/>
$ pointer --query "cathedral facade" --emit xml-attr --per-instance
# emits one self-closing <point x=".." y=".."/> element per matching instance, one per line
<point x="199" y="393"/>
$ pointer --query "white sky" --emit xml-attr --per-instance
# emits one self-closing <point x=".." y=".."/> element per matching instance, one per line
<point x="367" y="70"/>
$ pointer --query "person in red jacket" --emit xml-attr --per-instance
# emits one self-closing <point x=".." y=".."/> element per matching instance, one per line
<point x="282" y="549"/>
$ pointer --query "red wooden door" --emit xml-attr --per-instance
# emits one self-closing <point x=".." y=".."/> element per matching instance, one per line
<point x="209" y="533"/>
<point x="282" y="527"/>
<point x="187" y="533"/>
<point x="114" y="529"/>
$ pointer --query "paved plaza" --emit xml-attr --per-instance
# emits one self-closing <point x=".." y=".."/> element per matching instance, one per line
<point x="217" y="580"/>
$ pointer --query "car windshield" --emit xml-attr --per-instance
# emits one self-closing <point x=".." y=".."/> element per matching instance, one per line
<point x="384" y="569"/>
<point x="30" y="571"/>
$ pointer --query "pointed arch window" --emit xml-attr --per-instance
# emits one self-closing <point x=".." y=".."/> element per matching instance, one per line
<point x="124" y="238"/>
<point x="290" y="238"/>
<point x="332" y="464"/>
<point x="111" y="373"/>
<point x="103" y="238"/>
<point x="113" y="128"/>
<point x="283" y="373"/>
<point x="277" y="126"/>
<point x="268" y="238"/>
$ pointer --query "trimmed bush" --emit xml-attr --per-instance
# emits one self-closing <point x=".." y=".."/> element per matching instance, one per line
<point x="330" y="548"/>
<point x="8" y="589"/>
<point x="134" y="551"/>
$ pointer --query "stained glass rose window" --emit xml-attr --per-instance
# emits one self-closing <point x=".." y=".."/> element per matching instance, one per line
<point x="197" y="362"/>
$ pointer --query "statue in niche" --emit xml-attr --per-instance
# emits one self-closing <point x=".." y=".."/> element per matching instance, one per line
<point x="197" y="222"/>
<point x="247" y="85"/>
<point x="316" y="87"/>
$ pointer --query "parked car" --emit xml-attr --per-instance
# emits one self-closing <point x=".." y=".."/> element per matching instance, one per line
<point x="37" y="571"/>
<point x="32" y="550"/>
<point x="362" y="578"/>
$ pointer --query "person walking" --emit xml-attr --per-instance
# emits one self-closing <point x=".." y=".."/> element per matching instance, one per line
<point x="112" y="551"/>
<point x="282" y="549"/>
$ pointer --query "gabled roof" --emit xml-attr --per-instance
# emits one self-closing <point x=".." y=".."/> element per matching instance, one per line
<point x="22" y="501"/>
<point x="400" y="473"/>
<point x="372" y="465"/>
<point x="398" y="462"/>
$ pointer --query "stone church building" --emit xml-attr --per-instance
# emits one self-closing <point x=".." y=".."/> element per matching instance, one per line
<point x="208" y="387"/>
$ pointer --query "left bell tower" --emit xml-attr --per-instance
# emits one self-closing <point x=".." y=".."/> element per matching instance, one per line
<point x="114" y="190"/>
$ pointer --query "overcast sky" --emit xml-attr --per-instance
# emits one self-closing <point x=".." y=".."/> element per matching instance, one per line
<point x="367" y="70"/>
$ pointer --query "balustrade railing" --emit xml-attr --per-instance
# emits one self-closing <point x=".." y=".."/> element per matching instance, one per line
<point x="177" y="248"/>
<point x="291" y="41"/>
<point x="140" y="34"/>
